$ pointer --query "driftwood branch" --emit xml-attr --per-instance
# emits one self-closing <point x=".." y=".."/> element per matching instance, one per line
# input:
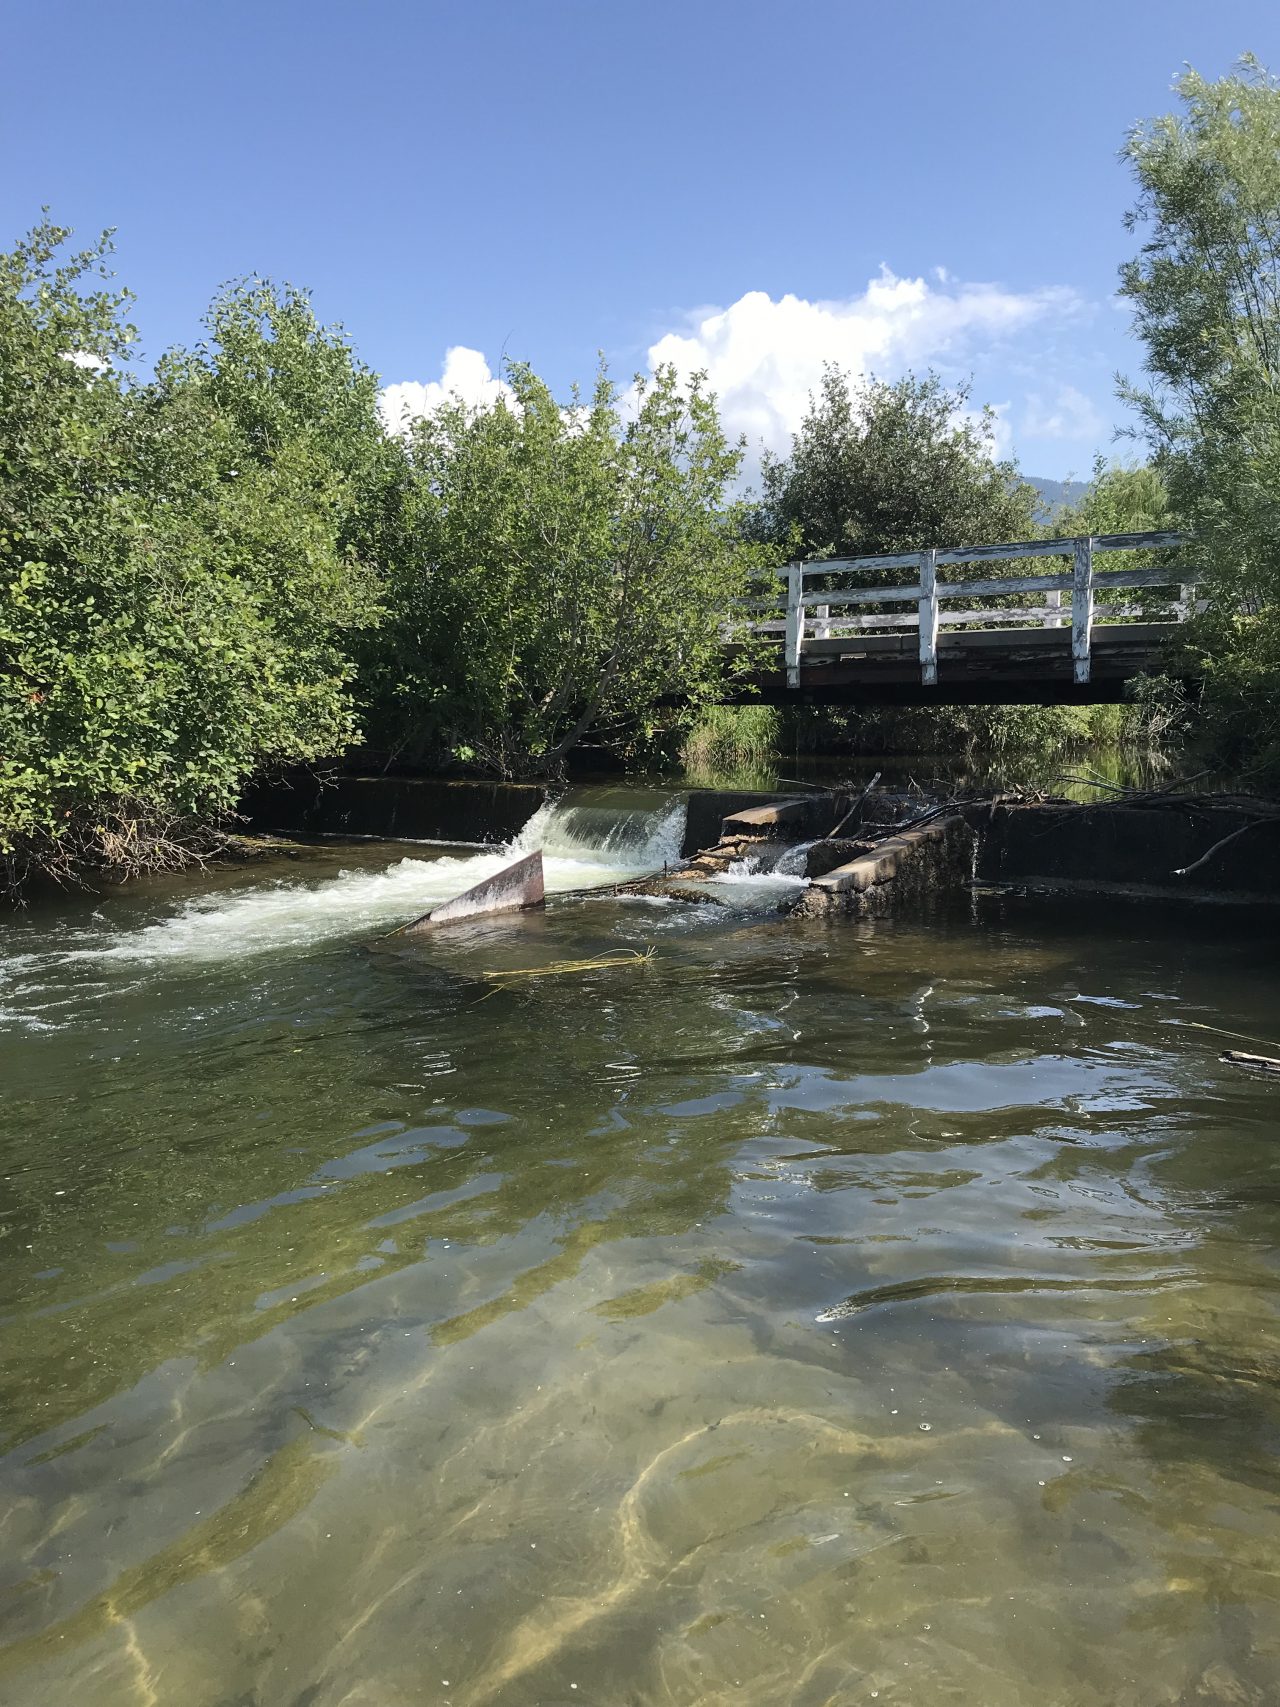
<point x="1186" y="870"/>
<point x="857" y="803"/>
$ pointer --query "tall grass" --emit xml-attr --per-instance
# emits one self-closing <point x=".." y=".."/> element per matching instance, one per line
<point x="742" y="746"/>
<point x="733" y="745"/>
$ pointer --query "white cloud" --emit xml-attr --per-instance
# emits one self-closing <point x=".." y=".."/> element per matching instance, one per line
<point x="1000" y="428"/>
<point x="1071" y="415"/>
<point x="85" y="359"/>
<point x="765" y="357"/>
<point x="467" y="375"/>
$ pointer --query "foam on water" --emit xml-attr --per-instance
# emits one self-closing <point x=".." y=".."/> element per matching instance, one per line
<point x="583" y="847"/>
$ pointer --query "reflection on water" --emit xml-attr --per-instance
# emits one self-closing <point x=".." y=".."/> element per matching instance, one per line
<point x="1094" y="774"/>
<point x="813" y="1315"/>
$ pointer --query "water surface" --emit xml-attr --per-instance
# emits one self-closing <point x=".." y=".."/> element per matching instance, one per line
<point x="815" y="1314"/>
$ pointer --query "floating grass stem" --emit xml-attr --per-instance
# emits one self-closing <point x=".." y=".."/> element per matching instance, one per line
<point x="610" y="959"/>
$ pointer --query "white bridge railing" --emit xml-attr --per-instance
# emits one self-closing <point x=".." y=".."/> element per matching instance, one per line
<point x="817" y="618"/>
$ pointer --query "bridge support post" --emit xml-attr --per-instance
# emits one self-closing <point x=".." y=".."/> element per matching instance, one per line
<point x="929" y="618"/>
<point x="795" y="622"/>
<point x="1082" y="609"/>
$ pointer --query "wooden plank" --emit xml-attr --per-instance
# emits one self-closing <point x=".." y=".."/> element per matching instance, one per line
<point x="795" y="623"/>
<point x="1124" y="639"/>
<point x="928" y="619"/>
<point x="1127" y="636"/>
<point x="1138" y="541"/>
<point x="1155" y="541"/>
<point x="1005" y="586"/>
<point x="1011" y="551"/>
<point x="1142" y="577"/>
<point x="864" y="644"/>
<point x="1255" y="1063"/>
<point x="1053" y="612"/>
<point x="865" y="596"/>
<point x="1058" y="547"/>
<point x="1050" y="616"/>
<point x="1102" y="579"/>
<point x="1081" y="608"/>
<point x="1001" y="588"/>
<point x="857" y="624"/>
<point x="839" y="565"/>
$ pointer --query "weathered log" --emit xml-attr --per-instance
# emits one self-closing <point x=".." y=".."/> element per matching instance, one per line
<point x="1255" y="1063"/>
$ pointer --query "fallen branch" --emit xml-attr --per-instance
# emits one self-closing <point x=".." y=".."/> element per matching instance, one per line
<point x="1255" y="1063"/>
<point x="857" y="803"/>
<point x="1186" y="870"/>
<point x="1091" y="782"/>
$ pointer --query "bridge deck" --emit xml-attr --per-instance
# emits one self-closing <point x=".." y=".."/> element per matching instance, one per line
<point x="1001" y="666"/>
<point x="940" y="641"/>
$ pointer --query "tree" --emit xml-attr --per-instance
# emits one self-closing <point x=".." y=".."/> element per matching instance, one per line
<point x="1205" y="294"/>
<point x="880" y="467"/>
<point x="177" y="571"/>
<point x="567" y="568"/>
<point x="1120" y="498"/>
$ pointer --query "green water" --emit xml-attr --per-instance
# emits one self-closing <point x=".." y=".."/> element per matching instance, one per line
<point x="817" y="1314"/>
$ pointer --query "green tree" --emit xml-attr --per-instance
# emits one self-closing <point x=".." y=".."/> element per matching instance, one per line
<point x="1205" y="293"/>
<point x="177" y="572"/>
<point x="566" y="569"/>
<point x="880" y="467"/>
<point x="1120" y="498"/>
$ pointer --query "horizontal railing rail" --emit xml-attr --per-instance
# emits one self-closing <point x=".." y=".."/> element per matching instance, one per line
<point x="819" y="616"/>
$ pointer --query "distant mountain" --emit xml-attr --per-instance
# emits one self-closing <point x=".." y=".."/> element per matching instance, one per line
<point x="1055" y="493"/>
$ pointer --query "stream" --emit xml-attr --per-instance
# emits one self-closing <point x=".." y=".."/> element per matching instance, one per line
<point x="810" y="1314"/>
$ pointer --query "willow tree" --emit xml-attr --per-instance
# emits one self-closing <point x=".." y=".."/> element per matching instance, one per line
<point x="567" y="569"/>
<point x="1205" y="293"/>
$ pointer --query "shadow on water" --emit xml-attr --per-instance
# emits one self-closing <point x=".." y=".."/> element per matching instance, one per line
<point x="810" y="1312"/>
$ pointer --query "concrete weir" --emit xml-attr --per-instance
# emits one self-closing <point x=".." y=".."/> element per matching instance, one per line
<point x="513" y="890"/>
<point x="902" y="870"/>
<point x="1158" y="846"/>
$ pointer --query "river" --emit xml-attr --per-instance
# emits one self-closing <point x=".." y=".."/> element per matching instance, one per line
<point x="811" y="1314"/>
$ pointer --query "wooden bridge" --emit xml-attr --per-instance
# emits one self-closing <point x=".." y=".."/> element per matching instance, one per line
<point x="1007" y="639"/>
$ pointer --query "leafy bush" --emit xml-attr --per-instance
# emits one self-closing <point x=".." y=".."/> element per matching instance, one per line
<point x="178" y="570"/>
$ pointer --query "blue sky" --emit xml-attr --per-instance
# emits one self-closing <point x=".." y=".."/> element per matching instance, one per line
<point x="744" y="186"/>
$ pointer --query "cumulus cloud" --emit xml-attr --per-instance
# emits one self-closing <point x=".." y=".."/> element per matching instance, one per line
<point x="1071" y="415"/>
<point x="764" y="357"/>
<point x="999" y="427"/>
<point x="467" y="375"/>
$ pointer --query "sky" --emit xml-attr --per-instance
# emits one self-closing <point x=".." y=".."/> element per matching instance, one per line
<point x="743" y="187"/>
